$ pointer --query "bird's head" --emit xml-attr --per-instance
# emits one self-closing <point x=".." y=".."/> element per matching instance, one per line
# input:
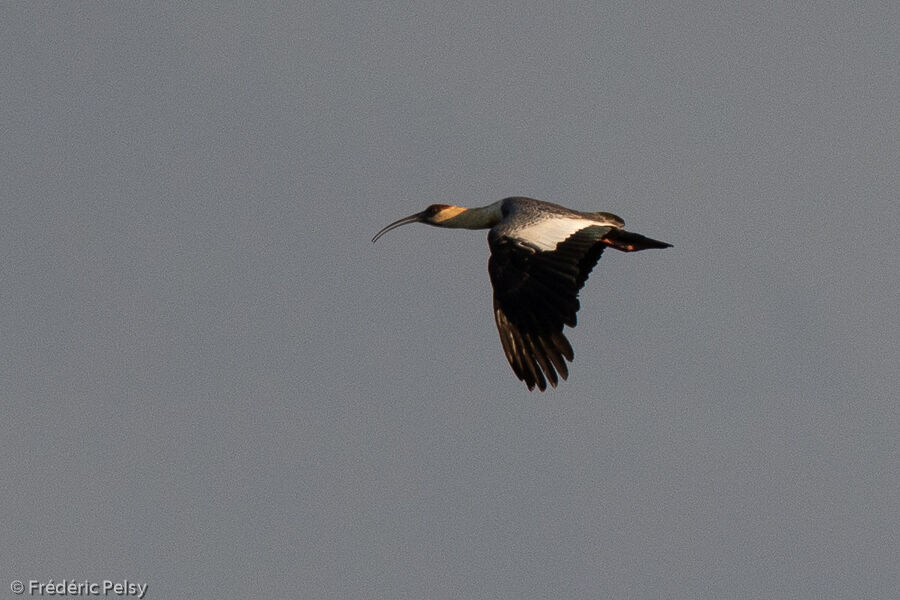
<point x="443" y="215"/>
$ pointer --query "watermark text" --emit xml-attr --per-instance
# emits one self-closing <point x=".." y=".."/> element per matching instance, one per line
<point x="73" y="587"/>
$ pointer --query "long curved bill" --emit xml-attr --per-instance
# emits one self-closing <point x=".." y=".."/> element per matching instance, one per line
<point x="416" y="218"/>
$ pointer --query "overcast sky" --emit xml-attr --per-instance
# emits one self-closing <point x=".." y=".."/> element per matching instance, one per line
<point x="212" y="382"/>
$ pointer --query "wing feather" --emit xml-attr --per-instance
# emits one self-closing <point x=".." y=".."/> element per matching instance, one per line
<point x="536" y="295"/>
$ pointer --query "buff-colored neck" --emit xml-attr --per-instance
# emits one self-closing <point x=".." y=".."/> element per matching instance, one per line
<point x="469" y="218"/>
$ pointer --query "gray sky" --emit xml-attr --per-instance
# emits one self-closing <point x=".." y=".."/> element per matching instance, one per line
<point x="213" y="383"/>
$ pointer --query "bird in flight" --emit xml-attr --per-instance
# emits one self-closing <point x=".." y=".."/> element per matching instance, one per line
<point x="541" y="255"/>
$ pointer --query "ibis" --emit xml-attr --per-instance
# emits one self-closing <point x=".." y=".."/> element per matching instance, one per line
<point x="541" y="255"/>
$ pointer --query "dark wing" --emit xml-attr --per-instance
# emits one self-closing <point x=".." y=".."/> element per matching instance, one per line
<point x="535" y="295"/>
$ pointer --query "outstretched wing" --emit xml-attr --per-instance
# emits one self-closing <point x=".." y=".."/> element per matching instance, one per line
<point x="535" y="295"/>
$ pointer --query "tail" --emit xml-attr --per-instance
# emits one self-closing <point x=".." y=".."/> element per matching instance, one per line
<point x="630" y="242"/>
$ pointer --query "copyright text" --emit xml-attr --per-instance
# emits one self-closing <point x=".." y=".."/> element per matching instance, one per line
<point x="71" y="587"/>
